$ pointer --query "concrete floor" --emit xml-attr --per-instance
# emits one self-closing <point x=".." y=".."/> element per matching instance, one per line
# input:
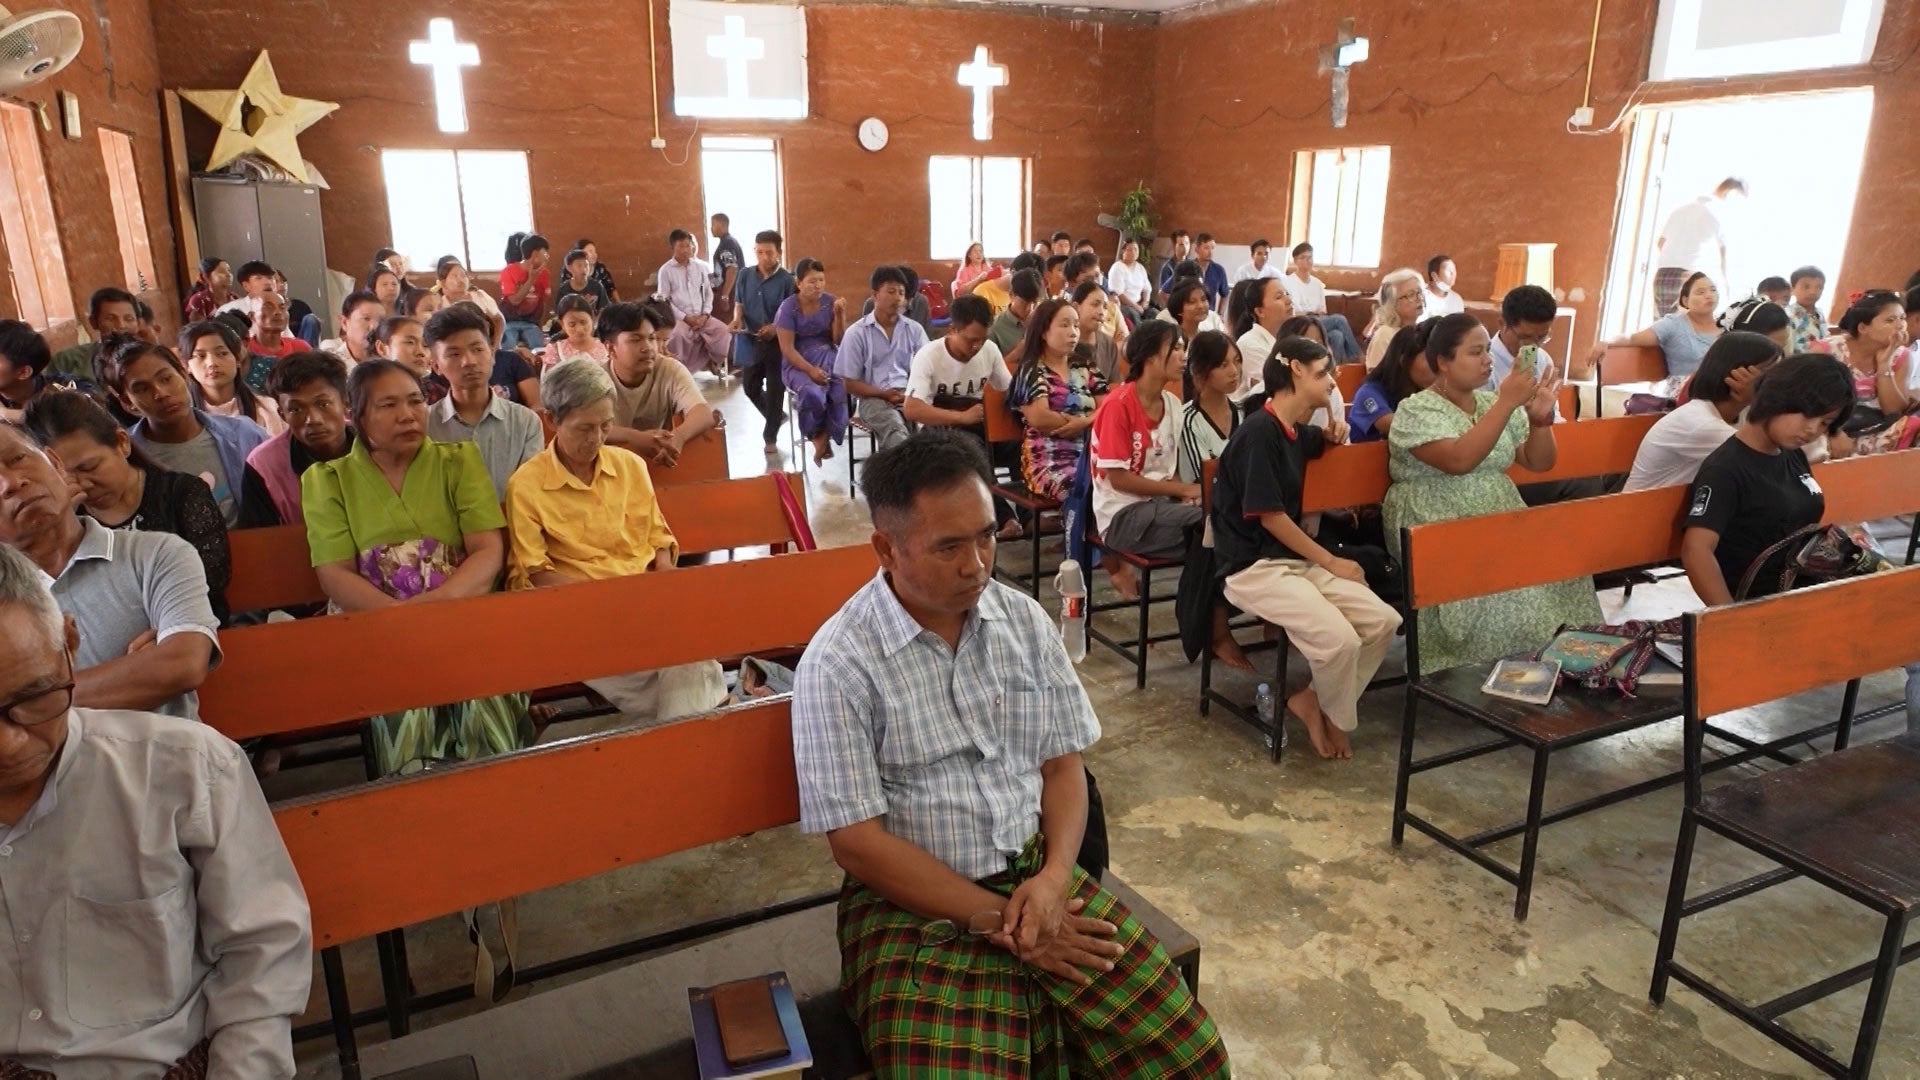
<point x="1327" y="952"/>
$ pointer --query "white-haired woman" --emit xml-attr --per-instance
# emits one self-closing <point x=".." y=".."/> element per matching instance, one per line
<point x="581" y="510"/>
<point x="1400" y="302"/>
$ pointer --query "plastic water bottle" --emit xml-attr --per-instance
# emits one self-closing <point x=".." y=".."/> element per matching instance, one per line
<point x="1263" y="704"/>
<point x="1072" y="586"/>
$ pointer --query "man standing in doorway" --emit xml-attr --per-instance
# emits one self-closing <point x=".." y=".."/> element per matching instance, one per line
<point x="1694" y="239"/>
<point x="728" y="259"/>
<point x="757" y="298"/>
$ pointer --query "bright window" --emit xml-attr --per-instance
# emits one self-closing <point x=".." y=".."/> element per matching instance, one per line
<point x="463" y="203"/>
<point x="981" y="199"/>
<point x="1704" y="39"/>
<point x="740" y="177"/>
<point x="42" y="295"/>
<point x="129" y="215"/>
<point x="1340" y="202"/>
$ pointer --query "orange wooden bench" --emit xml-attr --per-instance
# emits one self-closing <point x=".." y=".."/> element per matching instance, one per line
<point x="273" y="569"/>
<point x="1845" y="820"/>
<point x="1448" y="561"/>
<point x="288" y="677"/>
<point x="1624" y="364"/>
<point x="703" y="459"/>
<point x="1357" y="475"/>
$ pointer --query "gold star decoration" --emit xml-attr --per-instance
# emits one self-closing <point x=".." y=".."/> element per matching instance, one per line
<point x="259" y="118"/>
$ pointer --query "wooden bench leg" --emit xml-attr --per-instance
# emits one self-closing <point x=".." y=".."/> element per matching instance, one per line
<point x="1190" y="972"/>
<point x="1676" y="902"/>
<point x="1530" y="844"/>
<point x="1884" y="968"/>
<point x="1033" y="580"/>
<point x="1206" y="678"/>
<point x="335" y="974"/>
<point x="395" y="981"/>
<point x="1140" y="642"/>
<point x="1409" y="713"/>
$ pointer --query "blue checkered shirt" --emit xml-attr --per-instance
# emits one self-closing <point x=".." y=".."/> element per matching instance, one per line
<point x="944" y="745"/>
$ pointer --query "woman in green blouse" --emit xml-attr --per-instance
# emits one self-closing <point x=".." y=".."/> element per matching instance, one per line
<point x="402" y="518"/>
<point x="1449" y="449"/>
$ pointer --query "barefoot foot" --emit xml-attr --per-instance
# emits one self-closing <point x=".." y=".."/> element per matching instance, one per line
<point x="1125" y="581"/>
<point x="1228" y="651"/>
<point x="1306" y="706"/>
<point x="1341" y="747"/>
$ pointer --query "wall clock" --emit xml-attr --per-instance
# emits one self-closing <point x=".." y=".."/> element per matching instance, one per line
<point x="873" y="134"/>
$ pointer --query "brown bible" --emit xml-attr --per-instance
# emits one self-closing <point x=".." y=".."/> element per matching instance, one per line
<point x="749" y="1025"/>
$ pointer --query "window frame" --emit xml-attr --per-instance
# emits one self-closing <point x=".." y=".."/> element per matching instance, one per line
<point x="465" y="248"/>
<point x="1335" y="253"/>
<point x="976" y="211"/>
<point x="129" y="210"/>
<point x="43" y="297"/>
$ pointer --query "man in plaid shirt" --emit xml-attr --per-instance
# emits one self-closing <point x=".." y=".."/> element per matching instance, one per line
<point x="937" y="727"/>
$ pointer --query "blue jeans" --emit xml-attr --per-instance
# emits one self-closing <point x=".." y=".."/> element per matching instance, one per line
<point x="1341" y="342"/>
<point x="521" y="332"/>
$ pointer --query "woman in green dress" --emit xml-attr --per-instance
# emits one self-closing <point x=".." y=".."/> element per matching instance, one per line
<point x="402" y="518"/>
<point x="1449" y="450"/>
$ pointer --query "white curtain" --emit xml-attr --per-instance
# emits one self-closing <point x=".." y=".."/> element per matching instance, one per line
<point x="739" y="60"/>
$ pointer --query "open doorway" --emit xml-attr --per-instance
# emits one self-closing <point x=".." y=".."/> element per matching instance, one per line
<point x="740" y="177"/>
<point x="1799" y="205"/>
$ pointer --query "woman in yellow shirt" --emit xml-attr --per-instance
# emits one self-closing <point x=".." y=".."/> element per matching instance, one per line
<point x="582" y="510"/>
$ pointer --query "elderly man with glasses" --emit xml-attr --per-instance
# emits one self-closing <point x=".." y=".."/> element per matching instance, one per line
<point x="152" y="923"/>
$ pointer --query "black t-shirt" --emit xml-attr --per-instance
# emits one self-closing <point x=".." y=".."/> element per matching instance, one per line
<point x="1262" y="470"/>
<point x="1753" y="501"/>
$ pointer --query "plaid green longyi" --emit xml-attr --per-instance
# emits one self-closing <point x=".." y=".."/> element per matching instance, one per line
<point x="969" y="1009"/>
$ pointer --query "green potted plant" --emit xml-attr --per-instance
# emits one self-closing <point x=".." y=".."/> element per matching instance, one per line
<point x="1133" y="222"/>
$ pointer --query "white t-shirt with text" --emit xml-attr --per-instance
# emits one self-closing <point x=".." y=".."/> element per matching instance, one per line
<point x="936" y="373"/>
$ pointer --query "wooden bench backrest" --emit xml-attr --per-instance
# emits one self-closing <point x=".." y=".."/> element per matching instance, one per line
<point x="1630" y="364"/>
<point x="299" y="676"/>
<point x="1491" y="553"/>
<point x="1348" y="378"/>
<point x="272" y="568"/>
<point x="1748" y="654"/>
<point x="1357" y="475"/>
<point x="1002" y="426"/>
<point x="704" y="458"/>
<point x="481" y="832"/>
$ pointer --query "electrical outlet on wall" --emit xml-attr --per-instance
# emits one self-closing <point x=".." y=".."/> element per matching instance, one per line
<point x="657" y="144"/>
<point x="1582" y="117"/>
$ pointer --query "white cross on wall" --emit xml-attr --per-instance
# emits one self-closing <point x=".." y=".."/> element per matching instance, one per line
<point x="735" y="49"/>
<point x="983" y="76"/>
<point x="446" y="57"/>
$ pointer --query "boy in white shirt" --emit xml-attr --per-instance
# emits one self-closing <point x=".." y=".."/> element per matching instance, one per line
<point x="1309" y="295"/>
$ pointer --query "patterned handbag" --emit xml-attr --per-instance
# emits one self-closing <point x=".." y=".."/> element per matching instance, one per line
<point x="1608" y="657"/>
<point x="1822" y="553"/>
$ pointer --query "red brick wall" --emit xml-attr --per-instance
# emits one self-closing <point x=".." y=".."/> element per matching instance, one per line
<point x="1078" y="104"/>
<point x="1473" y="99"/>
<point x="125" y="97"/>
